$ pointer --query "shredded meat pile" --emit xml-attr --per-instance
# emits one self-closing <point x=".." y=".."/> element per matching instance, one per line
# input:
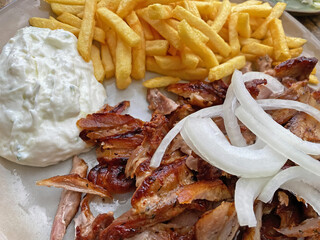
<point x="187" y="198"/>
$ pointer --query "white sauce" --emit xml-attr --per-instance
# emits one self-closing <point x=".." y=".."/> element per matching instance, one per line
<point x="45" y="87"/>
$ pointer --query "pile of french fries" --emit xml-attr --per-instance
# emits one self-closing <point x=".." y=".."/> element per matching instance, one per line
<point x="180" y="39"/>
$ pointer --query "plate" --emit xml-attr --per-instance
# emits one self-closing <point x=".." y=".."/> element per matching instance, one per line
<point x="296" y="7"/>
<point x="32" y="208"/>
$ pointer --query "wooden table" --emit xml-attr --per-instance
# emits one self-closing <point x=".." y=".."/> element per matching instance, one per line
<point x="312" y="23"/>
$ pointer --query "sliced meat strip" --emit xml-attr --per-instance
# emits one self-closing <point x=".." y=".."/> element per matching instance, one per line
<point x="220" y="223"/>
<point x="201" y="94"/>
<point x="69" y="203"/>
<point x="75" y="183"/>
<point x="264" y="63"/>
<point x="308" y="228"/>
<point x="159" y="103"/>
<point x="298" y="68"/>
<point x="119" y="108"/>
<point x="207" y="190"/>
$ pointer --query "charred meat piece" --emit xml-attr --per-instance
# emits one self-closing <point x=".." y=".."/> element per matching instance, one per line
<point x="219" y="223"/>
<point x="298" y="68"/>
<point x="308" y="228"/>
<point x="201" y="94"/>
<point x="111" y="176"/>
<point x="119" y="108"/>
<point x="69" y="203"/>
<point x="253" y="86"/>
<point x="159" y="103"/>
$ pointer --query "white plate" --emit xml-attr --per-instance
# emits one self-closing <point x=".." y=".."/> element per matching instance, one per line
<point x="27" y="211"/>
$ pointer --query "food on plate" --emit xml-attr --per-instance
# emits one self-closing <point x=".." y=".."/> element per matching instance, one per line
<point x="199" y="35"/>
<point x="45" y="88"/>
<point x="198" y="172"/>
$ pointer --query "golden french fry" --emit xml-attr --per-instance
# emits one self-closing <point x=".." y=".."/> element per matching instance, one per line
<point x="99" y="72"/>
<point x="314" y="71"/>
<point x="80" y="14"/>
<point x="294" y="42"/>
<point x="172" y="50"/>
<point x="87" y="30"/>
<point x="255" y="23"/>
<point x="257" y="49"/>
<point x="159" y="11"/>
<point x="68" y="18"/>
<point x="112" y="43"/>
<point x="313" y="79"/>
<point x="157" y="47"/>
<point x="217" y="43"/>
<point x="123" y="64"/>
<point x="191" y="40"/>
<point x="52" y="24"/>
<point x="295" y="52"/>
<point x="112" y="5"/>
<point x="159" y="82"/>
<point x="146" y="30"/>
<point x="262" y="10"/>
<point x="224" y="33"/>
<point x="67" y="2"/>
<point x="162" y="27"/>
<point x="276" y="12"/>
<point x="119" y="26"/>
<point x="127" y="6"/>
<point x="191" y="7"/>
<point x="280" y="46"/>
<point x="227" y="68"/>
<point x="59" y="8"/>
<point x="188" y="58"/>
<point x="243" y="25"/>
<point x="139" y="52"/>
<point x="185" y="74"/>
<point x="222" y="16"/>
<point x="268" y="41"/>
<point x="249" y="57"/>
<point x="107" y="61"/>
<point x="246" y="3"/>
<point x="233" y="34"/>
<point x="246" y="41"/>
<point x="155" y="34"/>
<point x="146" y="3"/>
<point x="169" y="62"/>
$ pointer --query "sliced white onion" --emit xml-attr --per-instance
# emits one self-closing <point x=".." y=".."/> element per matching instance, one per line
<point x="296" y="173"/>
<point x="246" y="193"/>
<point x="209" y="112"/>
<point x="277" y="143"/>
<point x="253" y="108"/>
<point x="303" y="190"/>
<point x="205" y="138"/>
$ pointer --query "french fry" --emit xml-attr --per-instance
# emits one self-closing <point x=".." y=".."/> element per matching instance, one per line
<point x="227" y="68"/>
<point x="217" y="43"/>
<point x="155" y="34"/>
<point x="313" y="79"/>
<point x="280" y="46"/>
<point x="233" y="34"/>
<point x="112" y="5"/>
<point x="73" y="20"/>
<point x="314" y="71"/>
<point x="169" y="62"/>
<point x="224" y="33"/>
<point x="67" y="2"/>
<point x="294" y="42"/>
<point x="87" y="30"/>
<point x="262" y="10"/>
<point x="80" y="14"/>
<point x="246" y="3"/>
<point x="295" y="52"/>
<point x="255" y="23"/>
<point x="243" y="25"/>
<point x="162" y="27"/>
<point x="127" y="6"/>
<point x="245" y="41"/>
<point x="189" y="59"/>
<point x="268" y="41"/>
<point x="222" y="16"/>
<point x="119" y="26"/>
<point x="59" y="8"/>
<point x="191" y="40"/>
<point x="146" y="3"/>
<point x="123" y="64"/>
<point x="112" y="43"/>
<point x="159" y="11"/>
<point x="52" y="24"/>
<point x="205" y="8"/>
<point x="138" y="52"/>
<point x="257" y="49"/>
<point x="191" y="7"/>
<point x="185" y="74"/>
<point x="276" y="12"/>
<point x="159" y="82"/>
<point x="157" y="47"/>
<point x="146" y="30"/>
<point x="99" y="72"/>
<point x="107" y="61"/>
<point x="249" y="57"/>
<point x="172" y="50"/>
